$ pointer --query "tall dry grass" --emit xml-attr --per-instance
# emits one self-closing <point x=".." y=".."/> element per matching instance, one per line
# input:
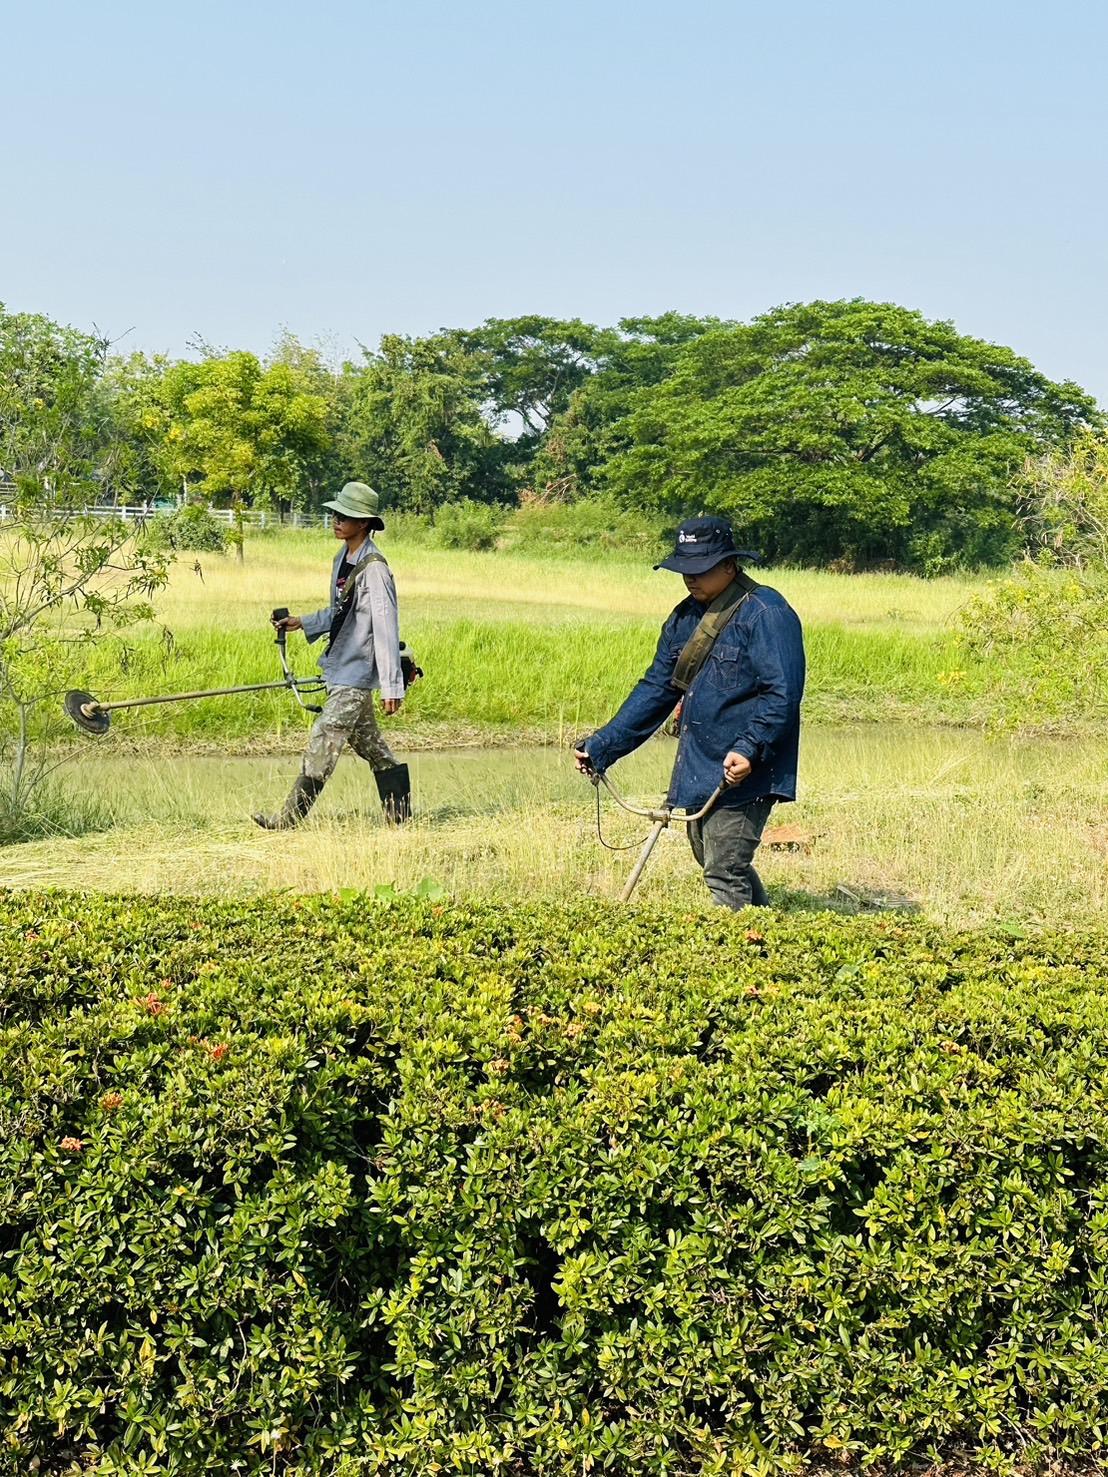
<point x="966" y="829"/>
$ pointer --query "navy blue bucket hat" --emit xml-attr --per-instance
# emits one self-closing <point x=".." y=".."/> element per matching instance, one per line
<point x="702" y="543"/>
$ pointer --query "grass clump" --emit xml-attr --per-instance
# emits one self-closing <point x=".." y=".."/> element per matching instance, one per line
<point x="51" y="811"/>
<point x="545" y="1189"/>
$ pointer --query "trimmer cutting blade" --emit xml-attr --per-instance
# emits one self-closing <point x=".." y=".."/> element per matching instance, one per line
<point x="86" y="712"/>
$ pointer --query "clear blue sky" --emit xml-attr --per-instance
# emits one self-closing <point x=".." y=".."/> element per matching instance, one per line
<point x="348" y="168"/>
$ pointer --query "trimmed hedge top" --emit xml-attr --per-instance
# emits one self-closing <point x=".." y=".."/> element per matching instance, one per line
<point x="323" y="1185"/>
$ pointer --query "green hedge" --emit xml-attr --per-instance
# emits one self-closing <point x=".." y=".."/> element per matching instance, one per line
<point x="335" y="1186"/>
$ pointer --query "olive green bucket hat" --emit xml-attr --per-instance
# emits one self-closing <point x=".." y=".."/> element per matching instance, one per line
<point x="357" y="500"/>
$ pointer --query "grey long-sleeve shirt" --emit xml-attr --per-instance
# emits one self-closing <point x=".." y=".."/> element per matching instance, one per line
<point x="366" y="651"/>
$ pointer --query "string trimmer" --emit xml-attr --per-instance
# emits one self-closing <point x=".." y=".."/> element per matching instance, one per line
<point x="661" y="818"/>
<point x="93" y="716"/>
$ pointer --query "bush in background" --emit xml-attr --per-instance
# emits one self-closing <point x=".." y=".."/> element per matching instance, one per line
<point x="466" y="524"/>
<point x="1064" y="504"/>
<point x="537" y="526"/>
<point x="597" y="525"/>
<point x="1039" y="640"/>
<point x="191" y="526"/>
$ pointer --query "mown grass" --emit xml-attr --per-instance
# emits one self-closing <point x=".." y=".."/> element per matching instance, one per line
<point x="948" y="821"/>
<point x="963" y="828"/>
<point x="514" y="644"/>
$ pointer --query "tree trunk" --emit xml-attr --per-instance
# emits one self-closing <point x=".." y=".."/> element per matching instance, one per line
<point x="19" y="763"/>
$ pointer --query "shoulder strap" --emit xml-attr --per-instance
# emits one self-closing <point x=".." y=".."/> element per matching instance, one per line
<point x="697" y="648"/>
<point x="348" y="595"/>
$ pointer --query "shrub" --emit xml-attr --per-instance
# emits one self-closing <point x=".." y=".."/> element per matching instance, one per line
<point x="319" y="1186"/>
<point x="192" y="527"/>
<point x="1041" y="639"/>
<point x="466" y="524"/>
<point x="408" y="528"/>
<point x="1064" y="503"/>
<point x="592" y="525"/>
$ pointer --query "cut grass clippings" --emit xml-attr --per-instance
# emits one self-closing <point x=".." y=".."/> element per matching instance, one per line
<point x="962" y="827"/>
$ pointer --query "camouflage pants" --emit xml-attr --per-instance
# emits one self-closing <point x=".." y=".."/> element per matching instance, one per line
<point x="347" y="718"/>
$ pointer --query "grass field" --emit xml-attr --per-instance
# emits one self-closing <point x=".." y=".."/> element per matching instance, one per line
<point x="906" y="798"/>
<point x="962" y="827"/>
<point x="516" y="648"/>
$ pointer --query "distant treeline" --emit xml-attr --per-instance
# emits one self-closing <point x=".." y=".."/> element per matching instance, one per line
<point x="829" y="431"/>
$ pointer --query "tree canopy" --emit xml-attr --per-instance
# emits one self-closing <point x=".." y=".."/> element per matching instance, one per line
<point x="848" y="430"/>
<point x="54" y="429"/>
<point x="415" y="426"/>
<point x="234" y="427"/>
<point x="533" y="365"/>
<point x="592" y="427"/>
<point x="852" y="431"/>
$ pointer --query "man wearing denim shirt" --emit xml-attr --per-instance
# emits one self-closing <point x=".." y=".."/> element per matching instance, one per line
<point x="740" y="719"/>
<point x="362" y="656"/>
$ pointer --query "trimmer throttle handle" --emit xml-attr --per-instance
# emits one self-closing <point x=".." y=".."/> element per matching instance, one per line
<point x="280" y="615"/>
<point x="579" y="748"/>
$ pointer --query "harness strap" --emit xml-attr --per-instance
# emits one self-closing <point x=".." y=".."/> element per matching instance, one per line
<point x="348" y="596"/>
<point x="698" y="647"/>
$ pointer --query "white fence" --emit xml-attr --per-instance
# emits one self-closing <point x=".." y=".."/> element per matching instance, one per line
<point x="140" y="512"/>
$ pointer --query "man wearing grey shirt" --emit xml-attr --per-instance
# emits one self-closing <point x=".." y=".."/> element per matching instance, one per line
<point x="362" y="655"/>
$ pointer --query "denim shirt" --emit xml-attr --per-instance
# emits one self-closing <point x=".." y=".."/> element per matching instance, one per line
<point x="745" y="699"/>
<point x="366" y="651"/>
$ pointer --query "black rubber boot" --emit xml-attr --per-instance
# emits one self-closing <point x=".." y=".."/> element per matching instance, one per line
<point x="395" y="789"/>
<point x="301" y="798"/>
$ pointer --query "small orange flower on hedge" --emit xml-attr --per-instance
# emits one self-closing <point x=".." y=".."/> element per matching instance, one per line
<point x="72" y="1145"/>
<point x="111" y="1100"/>
<point x="152" y="1004"/>
<point x="217" y="1053"/>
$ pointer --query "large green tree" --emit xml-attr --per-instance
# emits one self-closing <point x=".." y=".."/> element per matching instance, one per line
<point x="55" y="420"/>
<point x="415" y="426"/>
<point x="243" y="432"/>
<point x="534" y="364"/>
<point x="322" y="466"/>
<point x="851" y="430"/>
<point x="133" y="387"/>
<point x="592" y="427"/>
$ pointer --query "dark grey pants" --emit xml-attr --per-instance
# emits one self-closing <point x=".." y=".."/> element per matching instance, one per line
<point x="724" y="843"/>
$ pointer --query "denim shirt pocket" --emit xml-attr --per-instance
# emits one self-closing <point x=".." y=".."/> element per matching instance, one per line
<point x="724" y="668"/>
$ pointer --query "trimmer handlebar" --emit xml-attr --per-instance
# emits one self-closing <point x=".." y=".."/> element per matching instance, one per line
<point x="660" y="817"/>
